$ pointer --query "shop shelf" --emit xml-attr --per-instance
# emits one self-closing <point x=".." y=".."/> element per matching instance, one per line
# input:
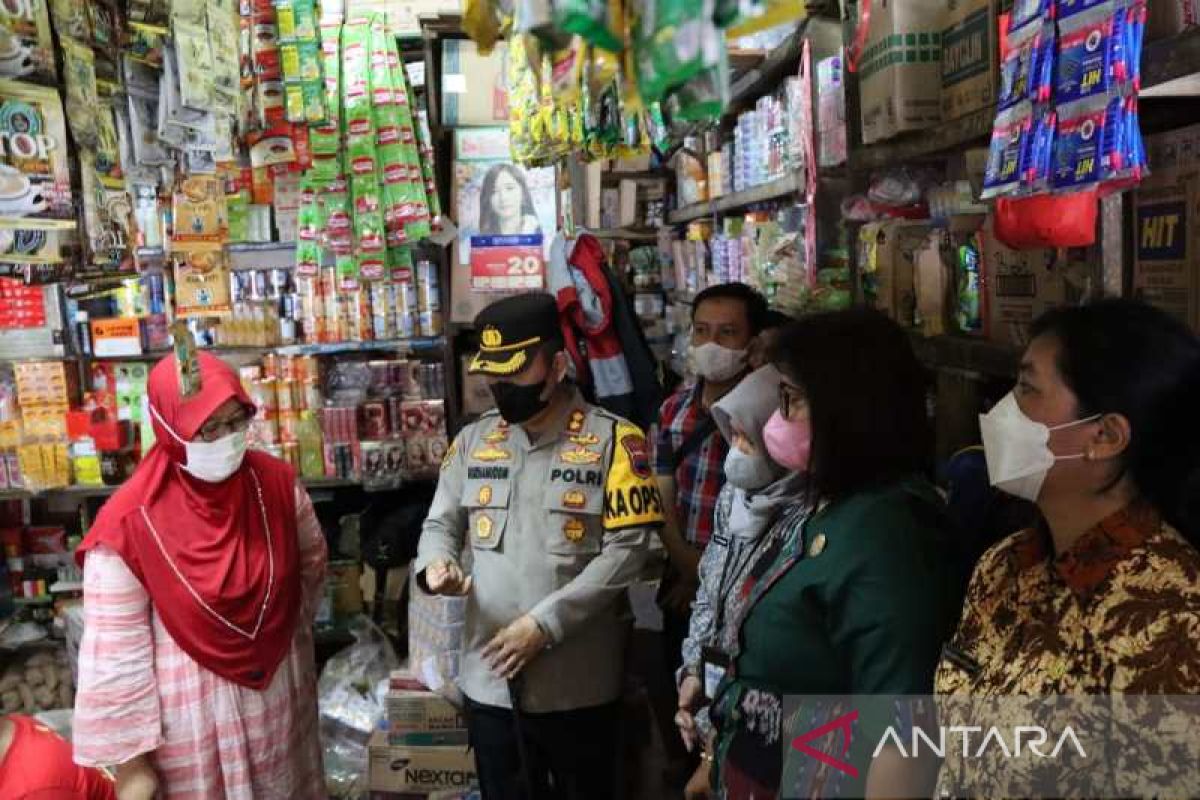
<point x="1171" y="67"/>
<point x="969" y="355"/>
<point x="777" y="189"/>
<point x="631" y="234"/>
<point x="82" y="492"/>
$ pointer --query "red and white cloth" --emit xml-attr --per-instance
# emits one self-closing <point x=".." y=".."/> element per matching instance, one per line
<point x="208" y="738"/>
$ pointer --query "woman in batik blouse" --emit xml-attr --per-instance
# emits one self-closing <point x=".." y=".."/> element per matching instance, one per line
<point x="1102" y="599"/>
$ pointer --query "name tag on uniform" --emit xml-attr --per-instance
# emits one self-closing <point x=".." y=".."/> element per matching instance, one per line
<point x="714" y="663"/>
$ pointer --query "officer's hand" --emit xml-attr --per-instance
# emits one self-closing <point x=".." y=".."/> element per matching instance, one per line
<point x="446" y="577"/>
<point x="691" y="696"/>
<point x="514" y="646"/>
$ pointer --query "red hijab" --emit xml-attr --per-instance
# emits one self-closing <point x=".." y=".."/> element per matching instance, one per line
<point x="219" y="560"/>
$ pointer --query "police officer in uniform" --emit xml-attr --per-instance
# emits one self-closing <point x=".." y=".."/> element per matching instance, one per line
<point x="556" y="501"/>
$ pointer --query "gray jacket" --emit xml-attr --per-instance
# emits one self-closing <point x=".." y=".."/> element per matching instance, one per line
<point x="558" y="529"/>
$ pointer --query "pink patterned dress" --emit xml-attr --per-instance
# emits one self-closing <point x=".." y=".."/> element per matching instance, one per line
<point x="209" y="738"/>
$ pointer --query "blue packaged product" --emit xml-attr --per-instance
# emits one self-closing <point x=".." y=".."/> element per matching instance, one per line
<point x="1014" y="75"/>
<point x="1065" y="10"/>
<point x="1024" y="19"/>
<point x="1035" y="173"/>
<point x="1042" y="78"/>
<point x="1085" y="60"/>
<point x="1007" y="151"/>
<point x="1079" y="146"/>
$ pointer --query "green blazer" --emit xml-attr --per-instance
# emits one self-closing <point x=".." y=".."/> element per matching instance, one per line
<point x="858" y="600"/>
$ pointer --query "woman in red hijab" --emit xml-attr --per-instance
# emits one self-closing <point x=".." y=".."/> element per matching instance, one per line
<point x="201" y="578"/>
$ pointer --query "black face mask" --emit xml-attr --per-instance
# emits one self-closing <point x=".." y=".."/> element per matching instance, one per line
<point x="518" y="403"/>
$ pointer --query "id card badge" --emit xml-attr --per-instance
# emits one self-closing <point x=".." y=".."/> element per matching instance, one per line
<point x="713" y="665"/>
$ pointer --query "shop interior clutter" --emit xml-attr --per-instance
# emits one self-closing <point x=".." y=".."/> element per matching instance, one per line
<point x="327" y="194"/>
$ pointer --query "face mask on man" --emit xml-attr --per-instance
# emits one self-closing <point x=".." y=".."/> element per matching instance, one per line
<point x="748" y="471"/>
<point x="211" y="462"/>
<point x="789" y="442"/>
<point x="1018" y="449"/>
<point x="717" y="363"/>
<point x="518" y="403"/>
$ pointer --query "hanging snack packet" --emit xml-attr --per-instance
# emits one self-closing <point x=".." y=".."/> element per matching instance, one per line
<point x="36" y="172"/>
<point x="1065" y="11"/>
<point x="26" y="43"/>
<point x="195" y="66"/>
<point x="1026" y="17"/>
<point x="1085" y="58"/>
<point x="338" y="234"/>
<point x="309" y="225"/>
<point x="146" y="43"/>
<point x="1010" y="138"/>
<point x="597" y="21"/>
<point x="1035" y="174"/>
<point x="223" y="32"/>
<point x="1079" y="148"/>
<point x="108" y="142"/>
<point x="71" y="19"/>
<point x="347" y="273"/>
<point x="705" y="97"/>
<point x="82" y="97"/>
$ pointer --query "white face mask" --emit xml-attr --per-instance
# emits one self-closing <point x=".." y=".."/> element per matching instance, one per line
<point x="211" y="462"/>
<point x="748" y="472"/>
<point x="1018" y="449"/>
<point x="716" y="363"/>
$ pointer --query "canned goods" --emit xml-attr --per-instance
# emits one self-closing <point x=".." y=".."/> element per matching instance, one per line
<point x="429" y="295"/>
<point x="270" y="363"/>
<point x="395" y="413"/>
<point x="431" y="323"/>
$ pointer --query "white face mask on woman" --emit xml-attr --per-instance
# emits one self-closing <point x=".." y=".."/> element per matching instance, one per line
<point x="715" y="362"/>
<point x="211" y="462"/>
<point x="1018" y="449"/>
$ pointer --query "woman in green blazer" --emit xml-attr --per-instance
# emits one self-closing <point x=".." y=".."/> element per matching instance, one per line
<point x="855" y="599"/>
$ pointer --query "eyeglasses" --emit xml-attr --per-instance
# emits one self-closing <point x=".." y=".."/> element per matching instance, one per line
<point x="789" y="397"/>
<point x="213" y="430"/>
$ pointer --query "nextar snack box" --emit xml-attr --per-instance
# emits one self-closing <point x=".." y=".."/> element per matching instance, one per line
<point x="418" y="770"/>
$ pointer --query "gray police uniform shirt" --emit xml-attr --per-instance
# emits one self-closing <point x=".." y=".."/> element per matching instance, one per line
<point x="558" y="529"/>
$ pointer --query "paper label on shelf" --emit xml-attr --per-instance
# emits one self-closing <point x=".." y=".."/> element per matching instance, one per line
<point x="505" y="263"/>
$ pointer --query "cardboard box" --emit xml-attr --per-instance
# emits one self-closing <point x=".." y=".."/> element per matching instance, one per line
<point x="416" y="712"/>
<point x="418" y="769"/>
<point x="1021" y="285"/>
<point x="970" y="57"/>
<point x="474" y="87"/>
<point x="895" y="250"/>
<point x="934" y="280"/>
<point x="900" y="73"/>
<point x="454" y="738"/>
<point x="1166" y="18"/>
<point x="1166" y="272"/>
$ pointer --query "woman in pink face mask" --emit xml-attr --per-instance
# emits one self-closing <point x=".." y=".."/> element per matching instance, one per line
<point x="857" y="597"/>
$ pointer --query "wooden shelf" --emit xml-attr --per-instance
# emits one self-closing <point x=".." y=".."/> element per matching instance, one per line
<point x="973" y="129"/>
<point x="969" y="355"/>
<point x="1171" y="67"/>
<point x="82" y="492"/>
<point x="764" y="78"/>
<point x="775" y="190"/>
<point x="610" y="177"/>
<point x="631" y="234"/>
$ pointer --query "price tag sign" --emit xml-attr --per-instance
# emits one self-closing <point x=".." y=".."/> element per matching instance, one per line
<point x="507" y="263"/>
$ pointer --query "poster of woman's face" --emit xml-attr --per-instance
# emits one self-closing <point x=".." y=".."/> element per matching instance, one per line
<point x="494" y="197"/>
<point x="505" y="204"/>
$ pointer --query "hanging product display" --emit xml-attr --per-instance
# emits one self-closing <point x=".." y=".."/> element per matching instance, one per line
<point x="1068" y="117"/>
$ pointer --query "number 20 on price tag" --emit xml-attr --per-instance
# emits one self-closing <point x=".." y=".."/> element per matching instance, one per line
<point x="506" y="263"/>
